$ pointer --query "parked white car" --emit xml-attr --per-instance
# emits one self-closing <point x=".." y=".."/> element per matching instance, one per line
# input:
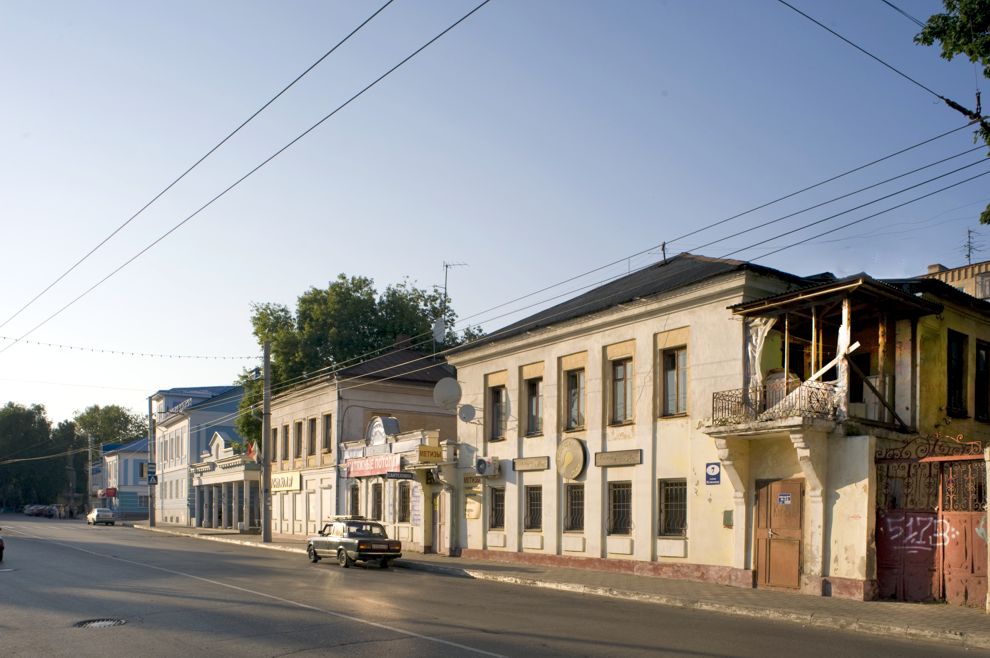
<point x="101" y="515"/>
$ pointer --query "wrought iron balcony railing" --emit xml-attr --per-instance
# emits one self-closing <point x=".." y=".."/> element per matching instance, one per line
<point x="771" y="402"/>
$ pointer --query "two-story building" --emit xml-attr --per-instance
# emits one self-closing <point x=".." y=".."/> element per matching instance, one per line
<point x="311" y="480"/>
<point x="185" y="422"/>
<point x="125" y="471"/>
<point x="718" y="420"/>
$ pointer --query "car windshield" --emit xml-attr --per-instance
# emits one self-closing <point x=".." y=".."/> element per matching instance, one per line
<point x="365" y="530"/>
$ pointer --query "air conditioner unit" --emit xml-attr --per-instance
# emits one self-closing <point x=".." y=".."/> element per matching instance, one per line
<point x="486" y="466"/>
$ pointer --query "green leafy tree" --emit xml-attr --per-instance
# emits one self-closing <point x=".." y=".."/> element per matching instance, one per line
<point x="110" y="424"/>
<point x="338" y="324"/>
<point x="963" y="29"/>
<point x="30" y="472"/>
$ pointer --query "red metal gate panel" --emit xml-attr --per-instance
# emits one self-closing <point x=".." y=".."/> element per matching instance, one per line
<point x="907" y="564"/>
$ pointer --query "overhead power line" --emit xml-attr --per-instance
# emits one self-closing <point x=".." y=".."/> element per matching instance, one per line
<point x="248" y="174"/>
<point x="194" y="165"/>
<point x="903" y="13"/>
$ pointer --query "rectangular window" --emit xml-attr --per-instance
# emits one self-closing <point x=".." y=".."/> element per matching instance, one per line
<point x="285" y="442"/>
<point x="956" y="374"/>
<point x="376" y="501"/>
<point x="982" y="381"/>
<point x="327" y="432"/>
<point x="622" y="391"/>
<point x="497" y="417"/>
<point x="673" y="508"/>
<point x="619" y="508"/>
<point x="355" y="507"/>
<point x="574" y="511"/>
<point x="405" y="502"/>
<point x="143" y="501"/>
<point x="674" y="381"/>
<point x="311" y="439"/>
<point x="274" y="444"/>
<point x="533" y="519"/>
<point x="297" y="440"/>
<point x="143" y="472"/>
<point x="496" y="515"/>
<point x="534" y="406"/>
<point x="574" y="418"/>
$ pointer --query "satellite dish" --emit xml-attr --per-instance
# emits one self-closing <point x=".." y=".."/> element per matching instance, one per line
<point x="439" y="330"/>
<point x="447" y="393"/>
<point x="466" y="413"/>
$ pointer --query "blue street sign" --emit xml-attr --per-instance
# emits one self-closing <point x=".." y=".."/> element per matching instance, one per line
<point x="713" y="473"/>
<point x="152" y="480"/>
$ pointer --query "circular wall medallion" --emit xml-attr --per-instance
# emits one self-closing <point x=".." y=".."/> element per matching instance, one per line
<point x="570" y="458"/>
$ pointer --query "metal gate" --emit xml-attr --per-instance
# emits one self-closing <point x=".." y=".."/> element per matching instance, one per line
<point x="931" y="531"/>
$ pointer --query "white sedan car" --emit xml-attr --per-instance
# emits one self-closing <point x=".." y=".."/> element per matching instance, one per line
<point x="101" y="515"/>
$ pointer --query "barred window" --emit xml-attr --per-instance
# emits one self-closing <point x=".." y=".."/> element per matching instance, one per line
<point x="673" y="508"/>
<point x="311" y="439"/>
<point x="574" y="511"/>
<point x="619" y="508"/>
<point x="376" y="501"/>
<point x="355" y="507"/>
<point x="534" y="508"/>
<point x="405" y="502"/>
<point x="496" y="515"/>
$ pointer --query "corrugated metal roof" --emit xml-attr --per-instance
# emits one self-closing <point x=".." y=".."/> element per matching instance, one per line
<point x="401" y="365"/>
<point x="678" y="272"/>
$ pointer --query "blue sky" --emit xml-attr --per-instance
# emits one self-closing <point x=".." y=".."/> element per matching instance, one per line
<point x="535" y="142"/>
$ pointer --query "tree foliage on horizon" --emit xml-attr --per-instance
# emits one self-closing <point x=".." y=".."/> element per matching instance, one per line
<point x="111" y="423"/>
<point x="963" y="29"/>
<point x="341" y="324"/>
<point x="38" y="462"/>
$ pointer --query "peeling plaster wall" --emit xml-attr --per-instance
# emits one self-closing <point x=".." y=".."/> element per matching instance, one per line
<point x="850" y="514"/>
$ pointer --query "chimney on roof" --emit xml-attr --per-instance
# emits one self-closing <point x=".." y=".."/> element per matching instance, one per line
<point x="403" y="342"/>
<point x="937" y="267"/>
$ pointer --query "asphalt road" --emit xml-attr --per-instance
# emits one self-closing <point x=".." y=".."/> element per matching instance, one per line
<point x="182" y="596"/>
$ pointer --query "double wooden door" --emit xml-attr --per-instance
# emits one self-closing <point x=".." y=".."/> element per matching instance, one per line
<point x="779" y="525"/>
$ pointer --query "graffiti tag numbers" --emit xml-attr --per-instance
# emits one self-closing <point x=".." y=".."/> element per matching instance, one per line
<point x="918" y="533"/>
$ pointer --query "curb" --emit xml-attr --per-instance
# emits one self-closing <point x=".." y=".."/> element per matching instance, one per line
<point x="981" y="641"/>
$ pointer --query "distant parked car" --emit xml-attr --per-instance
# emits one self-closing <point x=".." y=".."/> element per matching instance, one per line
<point x="351" y="538"/>
<point x="103" y="515"/>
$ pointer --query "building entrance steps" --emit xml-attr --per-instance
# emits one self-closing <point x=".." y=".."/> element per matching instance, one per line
<point x="933" y="622"/>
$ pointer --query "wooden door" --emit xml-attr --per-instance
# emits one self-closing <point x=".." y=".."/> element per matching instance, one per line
<point x="779" y="524"/>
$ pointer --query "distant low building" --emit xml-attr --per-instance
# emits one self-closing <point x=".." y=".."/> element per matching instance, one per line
<point x="972" y="279"/>
<point x="125" y="479"/>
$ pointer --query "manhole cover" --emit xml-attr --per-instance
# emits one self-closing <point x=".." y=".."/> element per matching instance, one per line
<point x="99" y="623"/>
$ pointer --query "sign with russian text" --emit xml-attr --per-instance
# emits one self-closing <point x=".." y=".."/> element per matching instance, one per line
<point x="521" y="464"/>
<point x="619" y="458"/>
<point x="286" y="481"/>
<point x="429" y="454"/>
<point x="374" y="465"/>
<point x="713" y="473"/>
<point x="400" y="475"/>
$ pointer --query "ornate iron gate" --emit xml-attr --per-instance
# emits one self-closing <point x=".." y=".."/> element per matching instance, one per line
<point x="932" y="521"/>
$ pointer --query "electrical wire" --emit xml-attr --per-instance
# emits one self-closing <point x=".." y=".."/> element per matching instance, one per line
<point x="197" y="163"/>
<point x="903" y="13"/>
<point x="98" y="350"/>
<point x="248" y="174"/>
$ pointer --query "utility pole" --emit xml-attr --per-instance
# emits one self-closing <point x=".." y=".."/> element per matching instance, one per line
<point x="266" y="447"/>
<point x="89" y="470"/>
<point x="151" y="465"/>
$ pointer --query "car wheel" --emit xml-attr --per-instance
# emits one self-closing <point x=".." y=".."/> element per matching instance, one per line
<point x="383" y="563"/>
<point x="343" y="560"/>
<point x="113" y="523"/>
<point x="311" y="552"/>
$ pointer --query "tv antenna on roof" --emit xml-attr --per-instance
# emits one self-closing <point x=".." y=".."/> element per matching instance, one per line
<point x="440" y="324"/>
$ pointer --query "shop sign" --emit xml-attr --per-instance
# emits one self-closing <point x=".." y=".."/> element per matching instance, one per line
<point x="286" y="481"/>
<point x="111" y="492"/>
<point x="374" y="465"/>
<point x="429" y="454"/>
<point x="400" y="475"/>
<point x="619" y="458"/>
<point x="522" y="464"/>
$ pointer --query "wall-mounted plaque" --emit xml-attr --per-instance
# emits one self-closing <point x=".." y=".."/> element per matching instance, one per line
<point x="571" y="458"/>
<point x="619" y="458"/>
<point x="530" y="464"/>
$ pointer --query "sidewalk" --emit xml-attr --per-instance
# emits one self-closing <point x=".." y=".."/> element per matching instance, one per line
<point x="933" y="622"/>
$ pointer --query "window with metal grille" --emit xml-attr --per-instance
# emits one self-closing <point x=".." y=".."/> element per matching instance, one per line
<point x="534" y="509"/>
<point x="297" y="441"/>
<point x="622" y="391"/>
<point x="355" y="507"/>
<point x="673" y="508"/>
<point x="956" y="374"/>
<point x="674" y="381"/>
<point x="497" y="415"/>
<point x="376" y="501"/>
<point x="619" y="508"/>
<point x="574" y="510"/>
<point x="311" y="438"/>
<point x="496" y="515"/>
<point x="327" y="432"/>
<point x="575" y="400"/>
<point x="534" y="406"/>
<point x="405" y="502"/>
